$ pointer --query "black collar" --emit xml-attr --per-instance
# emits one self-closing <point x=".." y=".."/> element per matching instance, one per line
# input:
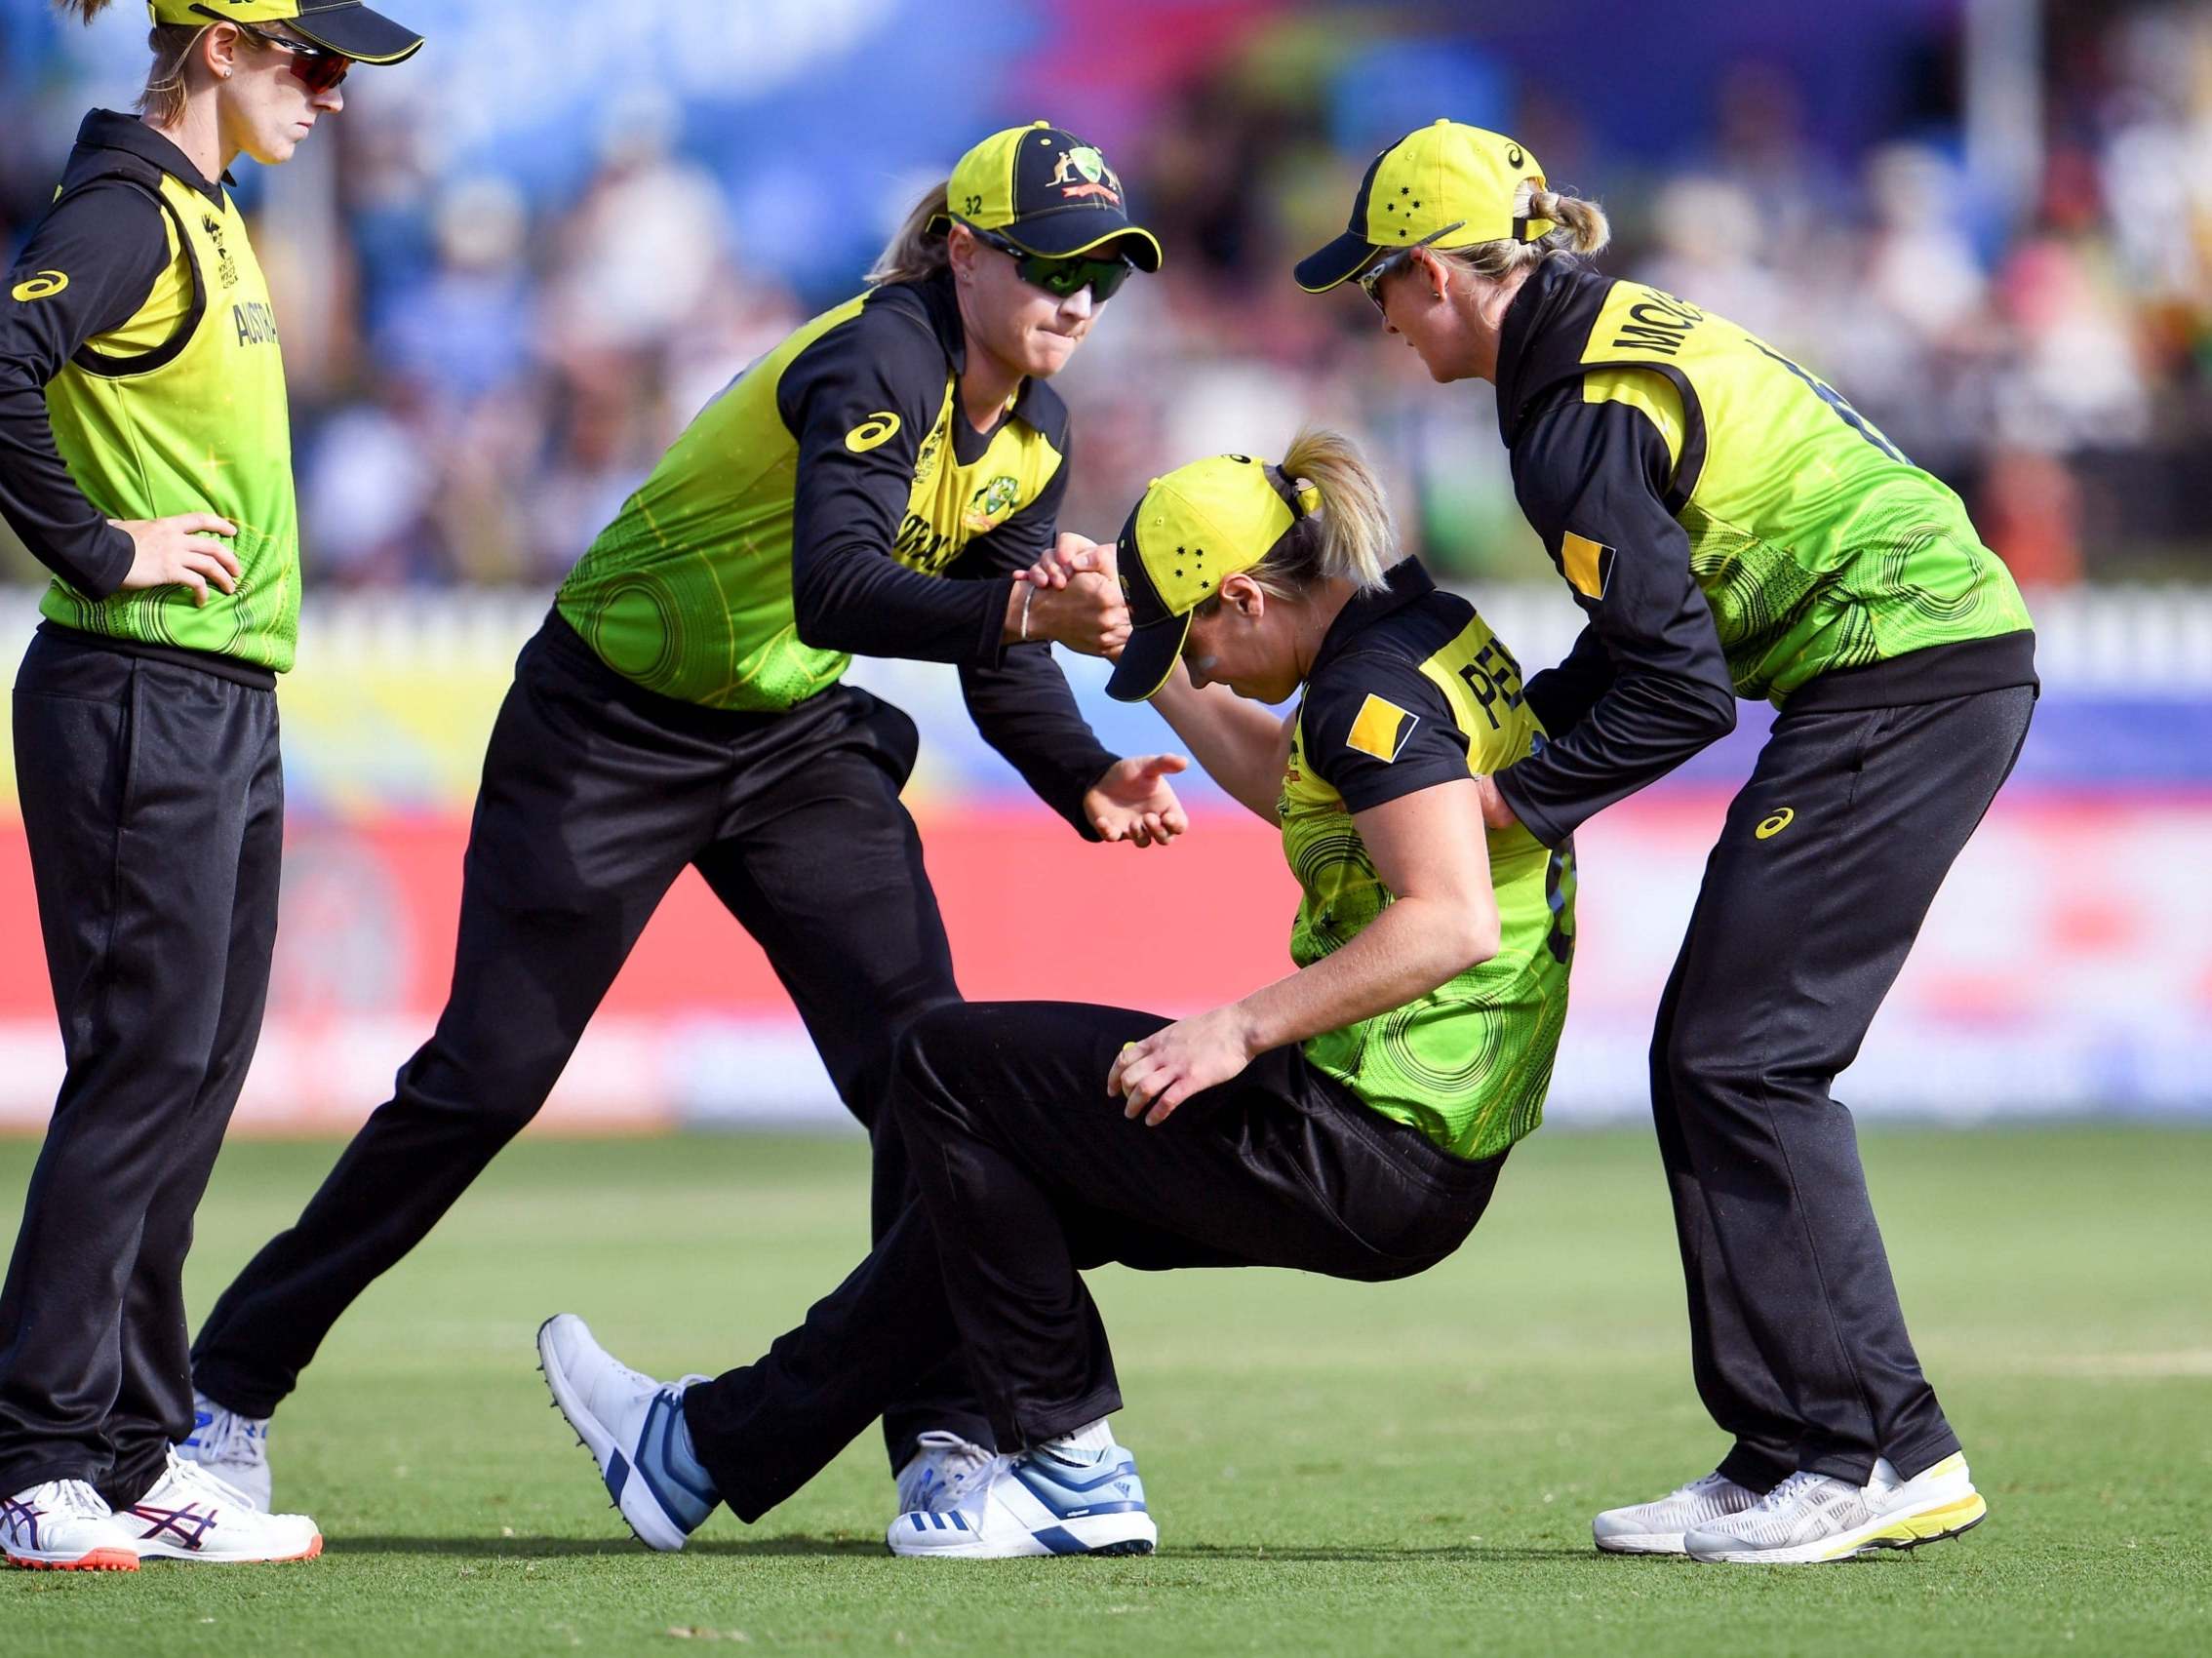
<point x="1550" y="290"/>
<point x="105" y="128"/>
<point x="1405" y="582"/>
<point x="942" y="304"/>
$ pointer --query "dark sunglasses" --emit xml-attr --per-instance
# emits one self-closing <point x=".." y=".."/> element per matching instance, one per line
<point x="1060" y="277"/>
<point x="317" y="67"/>
<point x="1371" y="279"/>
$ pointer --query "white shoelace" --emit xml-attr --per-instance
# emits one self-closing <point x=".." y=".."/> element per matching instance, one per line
<point x="963" y="1458"/>
<point x="204" y="1483"/>
<point x="65" y="1496"/>
<point x="238" y="1443"/>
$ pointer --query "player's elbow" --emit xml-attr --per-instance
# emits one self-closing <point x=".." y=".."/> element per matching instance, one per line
<point x="1468" y="934"/>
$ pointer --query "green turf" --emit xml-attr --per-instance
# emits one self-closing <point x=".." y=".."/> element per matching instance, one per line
<point x="1402" y="1469"/>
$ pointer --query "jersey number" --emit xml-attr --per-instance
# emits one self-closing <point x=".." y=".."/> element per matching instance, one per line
<point x="1851" y="416"/>
<point x="1493" y="676"/>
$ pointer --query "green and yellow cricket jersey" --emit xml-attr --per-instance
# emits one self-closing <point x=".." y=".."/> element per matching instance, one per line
<point x="141" y="292"/>
<point x="1411" y="689"/>
<point x="748" y="568"/>
<point x="1731" y="527"/>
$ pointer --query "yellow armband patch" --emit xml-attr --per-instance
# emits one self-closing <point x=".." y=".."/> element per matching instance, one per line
<point x="1588" y="564"/>
<point x="1382" y="728"/>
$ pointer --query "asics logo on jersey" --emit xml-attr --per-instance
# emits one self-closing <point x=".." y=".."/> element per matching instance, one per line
<point x="877" y="429"/>
<point x="45" y="285"/>
<point x="1769" y="827"/>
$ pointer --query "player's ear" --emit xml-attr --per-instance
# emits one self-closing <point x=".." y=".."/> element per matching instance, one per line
<point x="962" y="251"/>
<point x="1246" y="597"/>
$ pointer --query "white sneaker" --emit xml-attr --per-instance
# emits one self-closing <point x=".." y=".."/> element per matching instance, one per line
<point x="193" y="1515"/>
<point x="934" y="1473"/>
<point x="1656" y="1527"/>
<point x="633" y="1426"/>
<point x="234" y="1449"/>
<point x="62" y="1525"/>
<point x="1036" y="1503"/>
<point x="1813" y="1517"/>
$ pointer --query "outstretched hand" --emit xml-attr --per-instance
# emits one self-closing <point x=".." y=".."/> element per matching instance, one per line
<point x="1135" y="802"/>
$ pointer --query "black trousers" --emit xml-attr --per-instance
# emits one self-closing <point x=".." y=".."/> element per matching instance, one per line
<point x="1831" y="856"/>
<point x="596" y="794"/>
<point x="1029" y="1174"/>
<point x="154" y="803"/>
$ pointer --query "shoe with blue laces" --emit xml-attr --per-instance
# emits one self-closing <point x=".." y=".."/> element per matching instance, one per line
<point x="1051" y="1499"/>
<point x="634" y="1428"/>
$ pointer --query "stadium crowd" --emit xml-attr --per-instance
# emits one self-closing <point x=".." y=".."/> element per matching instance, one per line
<point x="478" y="382"/>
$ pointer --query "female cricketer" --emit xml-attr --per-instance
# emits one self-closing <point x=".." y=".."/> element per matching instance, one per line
<point x="1350" y="1118"/>
<point x="146" y="457"/>
<point x="683" y="705"/>
<point x="1731" y="527"/>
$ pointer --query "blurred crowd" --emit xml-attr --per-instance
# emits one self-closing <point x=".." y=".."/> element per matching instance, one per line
<point x="480" y="375"/>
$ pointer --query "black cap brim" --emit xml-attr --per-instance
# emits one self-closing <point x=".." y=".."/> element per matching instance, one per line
<point x="352" y="30"/>
<point x="1086" y="230"/>
<point x="1338" y="263"/>
<point x="1148" y="659"/>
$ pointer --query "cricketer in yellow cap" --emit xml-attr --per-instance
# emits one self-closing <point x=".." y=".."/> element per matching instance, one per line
<point x="1731" y="527"/>
<point x="1350" y="1118"/>
<point x="146" y="458"/>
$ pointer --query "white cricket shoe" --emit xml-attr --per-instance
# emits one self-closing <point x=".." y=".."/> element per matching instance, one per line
<point x="633" y="1426"/>
<point x="1813" y="1517"/>
<point x="1039" y="1502"/>
<point x="193" y="1515"/>
<point x="934" y="1473"/>
<point x="1656" y="1527"/>
<point x="234" y="1449"/>
<point x="62" y="1525"/>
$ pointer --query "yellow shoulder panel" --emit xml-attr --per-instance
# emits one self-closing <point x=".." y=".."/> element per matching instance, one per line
<point x="1644" y="389"/>
<point x="168" y="304"/>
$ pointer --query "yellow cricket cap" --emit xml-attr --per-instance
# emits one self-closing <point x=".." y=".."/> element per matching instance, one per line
<point x="1194" y="528"/>
<point x="343" y="26"/>
<point x="1442" y="185"/>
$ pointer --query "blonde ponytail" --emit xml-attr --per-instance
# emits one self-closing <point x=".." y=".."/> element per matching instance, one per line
<point x="171" y="45"/>
<point x="1343" y="531"/>
<point x="1356" y="541"/>
<point x="1581" y="228"/>
<point x="916" y="249"/>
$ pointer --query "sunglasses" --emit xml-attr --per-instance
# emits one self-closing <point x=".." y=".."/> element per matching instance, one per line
<point x="1370" y="280"/>
<point x="1060" y="277"/>
<point x="317" y="67"/>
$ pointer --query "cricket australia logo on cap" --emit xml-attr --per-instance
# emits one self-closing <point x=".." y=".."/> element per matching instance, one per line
<point x="1082" y="173"/>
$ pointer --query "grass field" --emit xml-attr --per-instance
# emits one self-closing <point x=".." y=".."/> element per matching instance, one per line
<point x="1336" y="1469"/>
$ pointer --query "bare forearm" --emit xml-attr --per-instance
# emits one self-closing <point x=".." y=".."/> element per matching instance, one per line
<point x="1406" y="952"/>
<point x="1242" y="746"/>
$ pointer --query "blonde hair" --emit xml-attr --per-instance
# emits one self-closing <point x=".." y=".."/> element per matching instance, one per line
<point x="1581" y="228"/>
<point x="916" y="249"/>
<point x="163" y="98"/>
<point x="1347" y="536"/>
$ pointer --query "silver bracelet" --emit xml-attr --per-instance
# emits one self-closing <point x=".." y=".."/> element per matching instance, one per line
<point x="1028" y="592"/>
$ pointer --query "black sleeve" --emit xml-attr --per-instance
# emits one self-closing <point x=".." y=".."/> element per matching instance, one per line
<point x="1377" y="727"/>
<point x="1593" y="480"/>
<point x="1022" y="704"/>
<point x="883" y="369"/>
<point x="89" y="266"/>
<point x="1559" y="696"/>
